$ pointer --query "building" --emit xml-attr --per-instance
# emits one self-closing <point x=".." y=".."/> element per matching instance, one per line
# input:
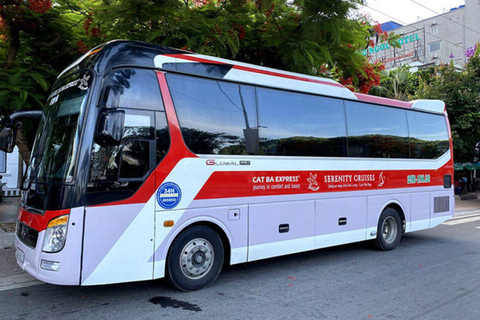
<point x="436" y="40"/>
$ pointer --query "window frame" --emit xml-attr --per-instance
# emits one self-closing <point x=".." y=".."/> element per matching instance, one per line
<point x="177" y="113"/>
<point x="258" y="156"/>
<point x="434" y="43"/>
<point x="153" y="159"/>
<point x="447" y="133"/>
<point x="343" y="148"/>
<point x="383" y="107"/>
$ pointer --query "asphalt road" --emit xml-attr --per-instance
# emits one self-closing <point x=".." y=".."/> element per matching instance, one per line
<point x="433" y="274"/>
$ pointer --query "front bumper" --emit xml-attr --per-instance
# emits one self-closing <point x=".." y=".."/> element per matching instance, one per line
<point x="69" y="257"/>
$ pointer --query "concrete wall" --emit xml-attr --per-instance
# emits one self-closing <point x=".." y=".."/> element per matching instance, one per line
<point x="472" y="21"/>
<point x="455" y="31"/>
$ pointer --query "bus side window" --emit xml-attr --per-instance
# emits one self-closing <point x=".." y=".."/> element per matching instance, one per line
<point x="298" y="124"/>
<point x="376" y="131"/>
<point x="216" y="117"/>
<point x="136" y="89"/>
<point x="135" y="159"/>
<point x="116" y="172"/>
<point x="428" y="135"/>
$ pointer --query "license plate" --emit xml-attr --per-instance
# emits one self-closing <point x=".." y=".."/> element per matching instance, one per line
<point x="20" y="255"/>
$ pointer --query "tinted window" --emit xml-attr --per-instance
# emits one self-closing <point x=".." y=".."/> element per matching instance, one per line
<point x="135" y="159"/>
<point x="215" y="117"/>
<point x="106" y="159"/>
<point x="428" y="135"/>
<point x="376" y="131"/>
<point x="136" y="89"/>
<point x="295" y="124"/>
<point x="116" y="172"/>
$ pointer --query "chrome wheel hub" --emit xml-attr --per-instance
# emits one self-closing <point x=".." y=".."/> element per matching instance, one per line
<point x="389" y="230"/>
<point x="197" y="258"/>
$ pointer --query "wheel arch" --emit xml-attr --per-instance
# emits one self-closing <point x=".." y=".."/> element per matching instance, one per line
<point x="394" y="204"/>
<point x="209" y="222"/>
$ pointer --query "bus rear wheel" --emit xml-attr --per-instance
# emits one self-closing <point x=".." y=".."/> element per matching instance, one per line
<point x="389" y="230"/>
<point x="195" y="259"/>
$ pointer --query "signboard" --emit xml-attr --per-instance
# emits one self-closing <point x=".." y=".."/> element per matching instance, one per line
<point x="412" y="48"/>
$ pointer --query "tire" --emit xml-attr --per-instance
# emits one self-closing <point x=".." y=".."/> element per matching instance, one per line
<point x="389" y="230"/>
<point x="195" y="259"/>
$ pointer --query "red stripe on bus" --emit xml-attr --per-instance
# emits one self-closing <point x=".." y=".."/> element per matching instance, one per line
<point x="37" y="221"/>
<point x="233" y="184"/>
<point x="384" y="101"/>
<point x="250" y="69"/>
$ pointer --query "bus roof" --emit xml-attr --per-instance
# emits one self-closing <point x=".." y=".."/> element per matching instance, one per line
<point x="122" y="53"/>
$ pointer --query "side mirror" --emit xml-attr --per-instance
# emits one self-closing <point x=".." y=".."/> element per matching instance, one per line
<point x="110" y="128"/>
<point x="477" y="153"/>
<point x="7" y="139"/>
<point x="10" y="127"/>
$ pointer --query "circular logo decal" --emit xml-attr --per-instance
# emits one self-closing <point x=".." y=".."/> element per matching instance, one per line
<point x="169" y="195"/>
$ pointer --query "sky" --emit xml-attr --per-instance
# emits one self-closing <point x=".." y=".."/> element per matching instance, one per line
<point x="407" y="11"/>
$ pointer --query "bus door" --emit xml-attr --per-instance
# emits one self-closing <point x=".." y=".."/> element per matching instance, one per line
<point x="119" y="217"/>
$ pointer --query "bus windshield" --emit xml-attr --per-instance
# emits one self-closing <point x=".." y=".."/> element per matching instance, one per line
<point x="56" y="143"/>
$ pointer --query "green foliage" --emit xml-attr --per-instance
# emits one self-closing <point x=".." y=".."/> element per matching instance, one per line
<point x="399" y="84"/>
<point x="308" y="36"/>
<point x="299" y="37"/>
<point x="459" y="90"/>
<point x="23" y="87"/>
<point x="47" y="44"/>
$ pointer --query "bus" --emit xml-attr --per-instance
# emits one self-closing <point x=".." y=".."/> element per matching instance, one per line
<point x="153" y="162"/>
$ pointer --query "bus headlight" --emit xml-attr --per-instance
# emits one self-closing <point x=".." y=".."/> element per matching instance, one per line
<point x="56" y="234"/>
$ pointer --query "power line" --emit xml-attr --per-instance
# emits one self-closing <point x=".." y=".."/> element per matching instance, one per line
<point x="387" y="15"/>
<point x="460" y="24"/>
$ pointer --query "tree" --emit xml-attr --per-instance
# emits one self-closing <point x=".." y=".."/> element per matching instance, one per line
<point x="459" y="90"/>
<point x="41" y="37"/>
<point x="362" y="80"/>
<point x="399" y="84"/>
<point x="37" y="41"/>
<point x="301" y="36"/>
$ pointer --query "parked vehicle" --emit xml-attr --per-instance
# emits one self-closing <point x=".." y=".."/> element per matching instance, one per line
<point x="154" y="162"/>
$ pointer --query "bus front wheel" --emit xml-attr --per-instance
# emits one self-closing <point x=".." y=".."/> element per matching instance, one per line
<point x="389" y="230"/>
<point x="195" y="259"/>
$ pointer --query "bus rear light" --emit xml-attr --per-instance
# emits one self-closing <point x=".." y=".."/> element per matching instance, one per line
<point x="50" y="265"/>
<point x="55" y="234"/>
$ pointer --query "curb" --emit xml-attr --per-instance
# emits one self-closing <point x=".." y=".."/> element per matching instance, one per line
<point x="466" y="212"/>
<point x="18" y="281"/>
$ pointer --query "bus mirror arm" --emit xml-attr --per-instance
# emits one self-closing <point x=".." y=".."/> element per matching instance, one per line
<point x="110" y="128"/>
<point x="9" y="127"/>
<point x="476" y="157"/>
<point x="112" y="97"/>
<point x="10" y="120"/>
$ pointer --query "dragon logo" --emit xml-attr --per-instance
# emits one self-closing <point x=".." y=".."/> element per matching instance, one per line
<point x="382" y="179"/>
<point x="313" y="184"/>
<point x="84" y="82"/>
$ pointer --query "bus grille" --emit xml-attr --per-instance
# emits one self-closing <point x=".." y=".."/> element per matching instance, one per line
<point x="441" y="204"/>
<point x="27" y="235"/>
